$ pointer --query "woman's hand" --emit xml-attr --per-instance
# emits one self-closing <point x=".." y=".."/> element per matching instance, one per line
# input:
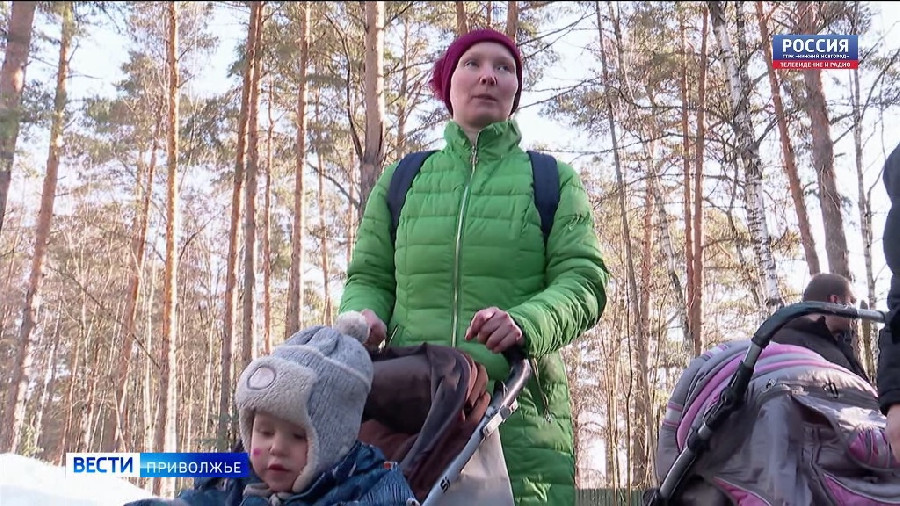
<point x="495" y="329"/>
<point x="377" y="329"/>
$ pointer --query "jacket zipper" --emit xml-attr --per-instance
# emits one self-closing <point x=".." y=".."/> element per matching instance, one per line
<point x="542" y="396"/>
<point x="459" y="229"/>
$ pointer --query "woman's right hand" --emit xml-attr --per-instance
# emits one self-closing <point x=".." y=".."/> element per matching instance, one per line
<point x="377" y="329"/>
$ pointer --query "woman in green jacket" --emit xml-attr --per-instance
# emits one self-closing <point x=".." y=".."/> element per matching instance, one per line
<point x="469" y="266"/>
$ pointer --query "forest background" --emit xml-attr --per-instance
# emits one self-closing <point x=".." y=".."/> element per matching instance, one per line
<point x="187" y="180"/>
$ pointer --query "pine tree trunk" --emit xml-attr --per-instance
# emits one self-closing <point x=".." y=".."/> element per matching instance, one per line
<point x="373" y="152"/>
<point x="696" y="316"/>
<point x="166" y="417"/>
<point x="248" y="347"/>
<point x="489" y="14"/>
<point x="267" y="210"/>
<point x="823" y="160"/>
<point x="14" y="415"/>
<point x="462" y="27"/>
<point x="512" y="19"/>
<point x="688" y="222"/>
<point x="226" y="424"/>
<point x="12" y="82"/>
<point x="739" y="86"/>
<point x="296" y="299"/>
<point x="787" y="151"/>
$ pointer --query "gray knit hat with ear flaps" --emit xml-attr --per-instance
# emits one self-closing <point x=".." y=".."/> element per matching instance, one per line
<point x="318" y="379"/>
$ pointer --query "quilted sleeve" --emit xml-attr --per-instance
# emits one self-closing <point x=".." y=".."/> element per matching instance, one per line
<point x="576" y="275"/>
<point x="370" y="273"/>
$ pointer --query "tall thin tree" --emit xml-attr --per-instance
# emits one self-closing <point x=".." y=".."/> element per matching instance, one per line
<point x="12" y="83"/>
<point x="167" y="413"/>
<point x="14" y="415"/>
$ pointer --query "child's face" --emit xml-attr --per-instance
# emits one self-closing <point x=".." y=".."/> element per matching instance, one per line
<point x="277" y="451"/>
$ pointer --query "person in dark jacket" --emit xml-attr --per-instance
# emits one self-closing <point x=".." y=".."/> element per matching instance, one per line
<point x="829" y="336"/>
<point x="889" y="340"/>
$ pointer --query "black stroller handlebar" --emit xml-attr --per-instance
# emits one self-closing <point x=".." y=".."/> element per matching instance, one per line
<point x="732" y="395"/>
<point x="783" y="315"/>
<point x="519" y="374"/>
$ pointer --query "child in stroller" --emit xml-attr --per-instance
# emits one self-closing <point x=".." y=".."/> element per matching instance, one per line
<point x="428" y="412"/>
<point x="300" y="411"/>
<point x="755" y="424"/>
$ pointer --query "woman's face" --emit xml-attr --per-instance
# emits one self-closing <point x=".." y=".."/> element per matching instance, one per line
<point x="483" y="86"/>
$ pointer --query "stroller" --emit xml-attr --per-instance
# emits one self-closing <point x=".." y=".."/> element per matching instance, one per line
<point x="751" y="423"/>
<point x="429" y="410"/>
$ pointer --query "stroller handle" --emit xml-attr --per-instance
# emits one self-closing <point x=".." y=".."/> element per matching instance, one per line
<point x="519" y="374"/>
<point x="784" y="315"/>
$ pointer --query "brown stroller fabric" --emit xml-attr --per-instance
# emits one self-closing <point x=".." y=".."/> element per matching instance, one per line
<point x="424" y="405"/>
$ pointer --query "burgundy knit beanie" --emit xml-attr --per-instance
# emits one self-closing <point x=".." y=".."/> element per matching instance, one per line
<point x="446" y="65"/>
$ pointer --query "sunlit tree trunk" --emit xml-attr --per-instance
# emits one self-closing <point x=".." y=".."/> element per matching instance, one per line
<point x="166" y="436"/>
<point x="12" y="82"/>
<point x="295" y="303"/>
<point x="738" y="83"/>
<point x="14" y="415"/>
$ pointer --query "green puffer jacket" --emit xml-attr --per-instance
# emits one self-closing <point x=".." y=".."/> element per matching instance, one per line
<point x="469" y="238"/>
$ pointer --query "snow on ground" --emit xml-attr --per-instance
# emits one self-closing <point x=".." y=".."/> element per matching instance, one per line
<point x="26" y="481"/>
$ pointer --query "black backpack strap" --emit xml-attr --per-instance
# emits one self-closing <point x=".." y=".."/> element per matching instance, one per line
<point x="401" y="180"/>
<point x="546" y="188"/>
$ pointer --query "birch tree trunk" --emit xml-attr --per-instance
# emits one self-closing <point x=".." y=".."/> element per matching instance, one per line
<point x="787" y="151"/>
<point x="738" y="83"/>
<point x="295" y="303"/>
<point x="12" y="82"/>
<point x="14" y="415"/>
<point x="166" y="417"/>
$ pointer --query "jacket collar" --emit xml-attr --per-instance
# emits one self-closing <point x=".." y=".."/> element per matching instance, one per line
<point x="494" y="141"/>
<point x="334" y="485"/>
